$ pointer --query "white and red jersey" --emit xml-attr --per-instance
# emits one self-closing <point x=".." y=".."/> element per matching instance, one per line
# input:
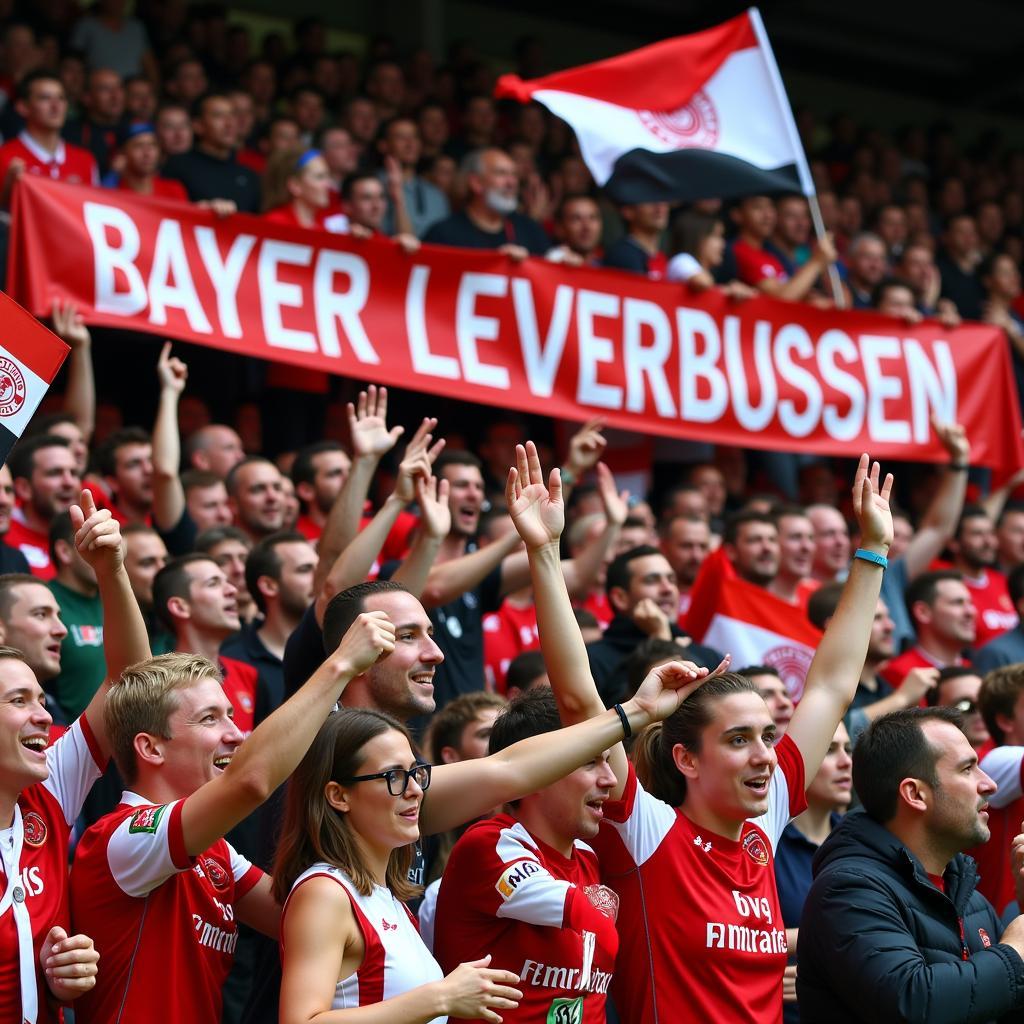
<point x="36" y="880"/>
<point x="539" y="914"/>
<point x="395" y="961"/>
<point x="68" y="163"/>
<point x="991" y="596"/>
<point x="1003" y="766"/>
<point x="164" y="922"/>
<point x="706" y="939"/>
<point x="508" y="632"/>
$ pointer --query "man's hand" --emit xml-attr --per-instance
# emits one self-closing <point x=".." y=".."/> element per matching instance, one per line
<point x="586" y="447"/>
<point x="516" y="253"/>
<point x="97" y="535"/>
<point x="367" y="424"/>
<point x="418" y="460"/>
<point x="15" y="169"/>
<point x="667" y="686"/>
<point x="871" y="506"/>
<point x="370" y="638"/>
<point x="789" y="984"/>
<point x="395" y="181"/>
<point x="651" y="620"/>
<point x="69" y="325"/>
<point x="407" y="243"/>
<point x="69" y="964"/>
<point x="171" y="371"/>
<point x="435" y="514"/>
<point x="946" y="312"/>
<point x="536" y="511"/>
<point x="824" y="251"/>
<point x="616" y="502"/>
<point x="220" y="207"/>
<point x="916" y="683"/>
<point x="953" y="437"/>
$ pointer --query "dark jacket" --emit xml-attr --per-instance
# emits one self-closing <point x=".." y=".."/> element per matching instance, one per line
<point x="879" y="942"/>
<point x="619" y="641"/>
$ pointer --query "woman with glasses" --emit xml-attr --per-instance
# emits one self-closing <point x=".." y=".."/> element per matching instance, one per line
<point x="356" y="807"/>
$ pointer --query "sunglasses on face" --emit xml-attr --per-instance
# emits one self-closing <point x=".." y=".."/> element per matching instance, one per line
<point x="397" y="778"/>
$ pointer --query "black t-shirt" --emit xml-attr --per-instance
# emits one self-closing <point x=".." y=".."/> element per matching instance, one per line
<point x="965" y="290"/>
<point x="625" y="254"/>
<point x="12" y="560"/>
<point x="459" y="230"/>
<point x="208" y="177"/>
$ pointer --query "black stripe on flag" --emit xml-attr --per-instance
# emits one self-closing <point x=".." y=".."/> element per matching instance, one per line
<point x="641" y="176"/>
<point x="7" y="440"/>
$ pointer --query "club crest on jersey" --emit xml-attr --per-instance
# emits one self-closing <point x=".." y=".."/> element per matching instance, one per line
<point x="565" y="1011"/>
<point x="512" y="877"/>
<point x="146" y="819"/>
<point x="699" y="841"/>
<point x="754" y="845"/>
<point x="604" y="899"/>
<point x="388" y="926"/>
<point x="985" y="940"/>
<point x="215" y="873"/>
<point x="34" y="828"/>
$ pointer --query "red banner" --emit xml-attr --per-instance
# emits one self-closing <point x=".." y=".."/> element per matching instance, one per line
<point x="537" y="337"/>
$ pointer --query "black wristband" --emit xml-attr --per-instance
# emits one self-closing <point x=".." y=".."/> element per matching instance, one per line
<point x="625" y="721"/>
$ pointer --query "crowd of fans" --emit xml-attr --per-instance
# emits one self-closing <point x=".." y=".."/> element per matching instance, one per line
<point x="511" y="644"/>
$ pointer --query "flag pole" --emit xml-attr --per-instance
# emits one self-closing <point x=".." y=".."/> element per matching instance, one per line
<point x="806" y="181"/>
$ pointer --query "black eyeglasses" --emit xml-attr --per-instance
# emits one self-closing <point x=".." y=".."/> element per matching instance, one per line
<point x="397" y="778"/>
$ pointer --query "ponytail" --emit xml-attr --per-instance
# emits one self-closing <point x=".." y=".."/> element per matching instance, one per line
<point x="655" y="768"/>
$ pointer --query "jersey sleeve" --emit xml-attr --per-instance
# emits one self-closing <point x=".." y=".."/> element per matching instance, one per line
<point x="639" y="822"/>
<point x="682" y="267"/>
<point x="244" y="872"/>
<point x="1004" y="766"/>
<point x="75" y="763"/>
<point x="786" y="797"/>
<point x="147" y="848"/>
<point x="428" y="914"/>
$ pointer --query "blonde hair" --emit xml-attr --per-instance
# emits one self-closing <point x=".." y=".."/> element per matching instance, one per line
<point x="144" y="699"/>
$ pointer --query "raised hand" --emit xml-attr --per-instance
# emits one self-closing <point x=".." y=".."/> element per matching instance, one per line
<point x="473" y="989"/>
<point x="585" y="447"/>
<point x="418" y="460"/>
<point x="871" y="505"/>
<point x="171" y="371"/>
<point x="370" y="638"/>
<point x="616" y="502"/>
<point x="69" y="964"/>
<point x="537" y="511"/>
<point x="667" y="686"/>
<point x="435" y="513"/>
<point x="953" y="437"/>
<point x="97" y="535"/>
<point x="651" y="620"/>
<point x="367" y="424"/>
<point x="69" y="325"/>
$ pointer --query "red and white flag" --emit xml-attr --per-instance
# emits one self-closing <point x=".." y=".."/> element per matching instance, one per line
<point x="751" y="624"/>
<point x="30" y="357"/>
<point x="699" y="116"/>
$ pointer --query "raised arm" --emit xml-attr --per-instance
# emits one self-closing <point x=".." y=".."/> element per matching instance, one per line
<point x="836" y="667"/>
<point x="358" y="556"/>
<point x="940" y="518"/>
<point x="125" y="641"/>
<point x="371" y="440"/>
<point x="450" y="579"/>
<point x="80" y="397"/>
<point x="168" y="494"/>
<point x="435" y="524"/>
<point x="585" y="448"/>
<point x="581" y="572"/>
<point x="277" y="745"/>
<point x="464" y="790"/>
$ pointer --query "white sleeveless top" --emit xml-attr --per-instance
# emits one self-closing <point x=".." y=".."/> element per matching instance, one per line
<point x="396" y="960"/>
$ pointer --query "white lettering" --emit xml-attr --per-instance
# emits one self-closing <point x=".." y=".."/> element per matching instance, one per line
<point x="696" y="366"/>
<point x="646" y="360"/>
<point x="471" y="328"/>
<point x="274" y="294"/>
<point x="873" y="349"/>
<point x="794" y="337"/>
<point x="110" y="258"/>
<point x="225" y="275"/>
<point x="170" y="262"/>
<point x="541" y="362"/>
<point x="594" y="349"/>
<point x="831" y="345"/>
<point x="423" y="360"/>
<point x="932" y="386"/>
<point x="345" y="306"/>
<point x="747" y="415"/>
<point x="33" y="880"/>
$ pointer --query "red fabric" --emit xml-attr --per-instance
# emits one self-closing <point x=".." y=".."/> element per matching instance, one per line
<point x="241" y="683"/>
<point x="77" y="168"/>
<point x="508" y="632"/>
<point x="35" y="546"/>
<point x="663" y="76"/>
<point x="469" y="324"/>
<point x="755" y="265"/>
<point x="163" y="188"/>
<point x="896" y="671"/>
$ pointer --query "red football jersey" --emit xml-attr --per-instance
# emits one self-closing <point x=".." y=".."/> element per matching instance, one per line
<point x="755" y="265"/>
<point x="35" y="546"/>
<point x="164" y="922"/>
<point x="163" y="188"/>
<point x="241" y="684"/>
<point x="543" y="916"/>
<point x="47" y="813"/>
<point x="701" y="911"/>
<point x="1006" y="811"/>
<point x="68" y="163"/>
<point x="895" y="671"/>
<point x="509" y="631"/>
<point x="991" y="597"/>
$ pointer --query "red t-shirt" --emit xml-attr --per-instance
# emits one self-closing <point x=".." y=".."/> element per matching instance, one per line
<point x="509" y="631"/>
<point x="241" y="684"/>
<point x="48" y="812"/>
<point x="163" y="188"/>
<point x="68" y="163"/>
<point x="1004" y="766"/>
<point x="543" y="916"/>
<point x="34" y="545"/>
<point x="164" y="922"/>
<point x="701" y="912"/>
<point x="896" y="670"/>
<point x="991" y="597"/>
<point x="598" y="606"/>
<point x="754" y="265"/>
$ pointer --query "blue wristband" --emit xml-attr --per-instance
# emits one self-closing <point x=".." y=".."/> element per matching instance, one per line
<point x="871" y="556"/>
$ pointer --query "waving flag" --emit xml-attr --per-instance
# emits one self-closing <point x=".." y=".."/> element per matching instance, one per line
<point x="30" y="357"/>
<point x="695" y="117"/>
<point x="751" y="624"/>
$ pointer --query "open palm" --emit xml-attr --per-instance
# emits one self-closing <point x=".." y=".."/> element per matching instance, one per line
<point x="537" y="511"/>
<point x="871" y="503"/>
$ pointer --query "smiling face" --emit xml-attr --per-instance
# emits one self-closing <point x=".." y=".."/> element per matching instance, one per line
<point x="576" y="803"/>
<point x="24" y="728"/>
<point x="32" y="624"/>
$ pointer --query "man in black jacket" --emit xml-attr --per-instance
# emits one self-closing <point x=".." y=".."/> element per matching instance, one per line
<point x="893" y="929"/>
<point x="644" y="595"/>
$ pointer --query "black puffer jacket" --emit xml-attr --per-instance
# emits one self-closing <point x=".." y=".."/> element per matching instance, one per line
<point x="880" y="943"/>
